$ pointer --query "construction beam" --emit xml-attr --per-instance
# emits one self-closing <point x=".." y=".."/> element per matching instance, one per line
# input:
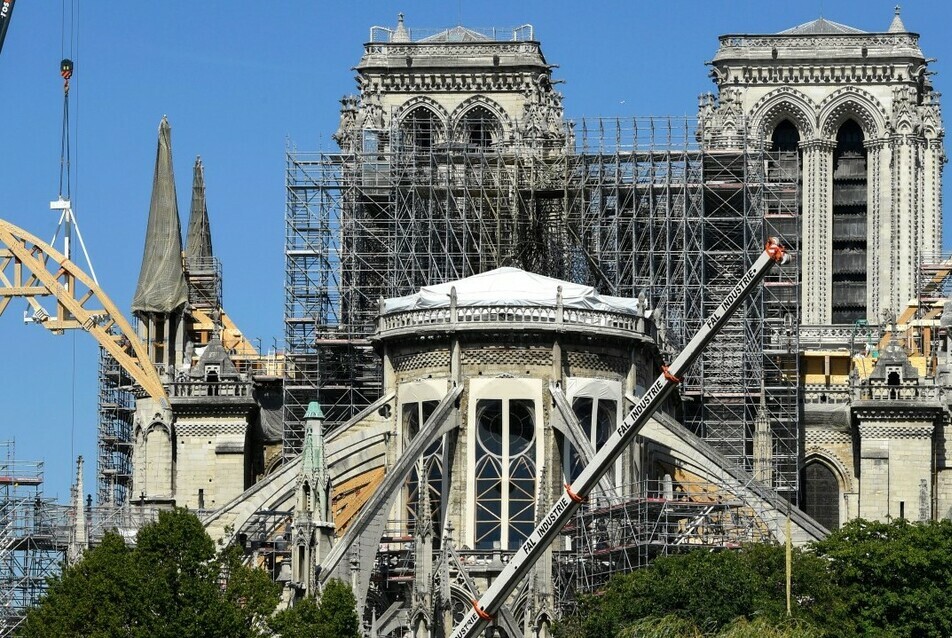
<point x="380" y="503"/>
<point x="577" y="435"/>
<point x="52" y="275"/>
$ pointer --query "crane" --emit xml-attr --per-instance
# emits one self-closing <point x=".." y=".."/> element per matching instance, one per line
<point x="550" y="525"/>
<point x="6" y="14"/>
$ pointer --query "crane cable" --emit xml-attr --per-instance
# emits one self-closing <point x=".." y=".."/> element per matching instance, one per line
<point x="66" y="73"/>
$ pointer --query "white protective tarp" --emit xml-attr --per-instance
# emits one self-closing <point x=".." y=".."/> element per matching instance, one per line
<point x="512" y="287"/>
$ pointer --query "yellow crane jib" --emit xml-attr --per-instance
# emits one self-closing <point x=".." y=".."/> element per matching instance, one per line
<point x="30" y="268"/>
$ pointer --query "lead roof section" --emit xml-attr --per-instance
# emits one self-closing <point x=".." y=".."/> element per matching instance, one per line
<point x="161" y="288"/>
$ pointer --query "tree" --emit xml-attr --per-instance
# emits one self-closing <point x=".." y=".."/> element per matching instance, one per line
<point x="100" y="596"/>
<point x="169" y="585"/>
<point x="675" y="627"/>
<point x="895" y="577"/>
<point x="334" y="617"/>
<point x="708" y="591"/>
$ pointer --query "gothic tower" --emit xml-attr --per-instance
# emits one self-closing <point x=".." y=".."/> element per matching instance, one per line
<point x="860" y="110"/>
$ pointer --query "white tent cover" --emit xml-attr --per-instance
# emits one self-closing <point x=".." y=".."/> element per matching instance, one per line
<point x="512" y="287"/>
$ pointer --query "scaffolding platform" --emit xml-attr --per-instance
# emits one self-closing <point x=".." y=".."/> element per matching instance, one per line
<point x="628" y="206"/>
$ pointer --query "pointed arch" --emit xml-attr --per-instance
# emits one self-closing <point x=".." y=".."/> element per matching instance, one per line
<point x="423" y="122"/>
<point x="822" y="455"/>
<point x="428" y="102"/>
<point x="784" y="103"/>
<point x="823" y="489"/>
<point x="851" y="102"/>
<point x="483" y="105"/>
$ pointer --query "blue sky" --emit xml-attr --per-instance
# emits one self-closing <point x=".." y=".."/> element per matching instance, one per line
<point x="240" y="81"/>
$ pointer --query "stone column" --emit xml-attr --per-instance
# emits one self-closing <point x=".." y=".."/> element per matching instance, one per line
<point x="905" y="245"/>
<point x="878" y="266"/>
<point x="933" y="160"/>
<point x="817" y="232"/>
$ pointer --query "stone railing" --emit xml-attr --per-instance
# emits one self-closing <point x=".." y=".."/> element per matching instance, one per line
<point x="840" y="41"/>
<point x="448" y="49"/>
<point x="523" y="33"/>
<point x="897" y="393"/>
<point x="821" y="394"/>
<point x="202" y="389"/>
<point x="841" y="337"/>
<point x="556" y="318"/>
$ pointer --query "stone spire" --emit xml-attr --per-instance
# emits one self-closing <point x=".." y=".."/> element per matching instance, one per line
<point x="763" y="442"/>
<point x="161" y="288"/>
<point x="314" y="462"/>
<point x="198" y="240"/>
<point x="896" y="26"/>
<point x="79" y="539"/>
<point x="400" y="34"/>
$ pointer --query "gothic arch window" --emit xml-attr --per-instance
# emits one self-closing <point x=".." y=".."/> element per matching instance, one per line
<point x="785" y="137"/>
<point x="821" y="494"/>
<point x="784" y="167"/>
<point x="479" y="127"/>
<point x="421" y="129"/>
<point x="598" y="417"/>
<point x="505" y="472"/>
<point x="849" y="224"/>
<point x="429" y="466"/>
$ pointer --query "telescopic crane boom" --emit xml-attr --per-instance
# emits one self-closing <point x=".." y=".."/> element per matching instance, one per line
<point x="551" y="524"/>
<point x="6" y="14"/>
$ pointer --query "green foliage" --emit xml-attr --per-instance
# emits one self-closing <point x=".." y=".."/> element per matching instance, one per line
<point x="708" y="590"/>
<point x="99" y="597"/>
<point x="894" y="577"/>
<point x="866" y="579"/>
<point x="334" y="617"/>
<point x="675" y="627"/>
<point x="168" y="585"/>
<point x="299" y="621"/>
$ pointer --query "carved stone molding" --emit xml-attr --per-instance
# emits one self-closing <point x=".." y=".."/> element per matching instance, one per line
<point x="817" y="453"/>
<point x="785" y="103"/>
<point x="852" y="101"/>
<point x="816" y="436"/>
<point x="857" y="41"/>
<point x="896" y="431"/>
<point x="210" y="429"/>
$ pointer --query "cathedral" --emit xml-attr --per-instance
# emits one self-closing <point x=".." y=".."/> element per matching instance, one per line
<point x="475" y="298"/>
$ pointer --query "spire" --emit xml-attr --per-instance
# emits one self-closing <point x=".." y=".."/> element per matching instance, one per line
<point x="314" y="466"/>
<point x="198" y="240"/>
<point x="79" y="540"/>
<point x="400" y="34"/>
<point x="896" y="26"/>
<point x="161" y="287"/>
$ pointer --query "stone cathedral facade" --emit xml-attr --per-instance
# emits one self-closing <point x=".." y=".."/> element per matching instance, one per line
<point x="860" y="109"/>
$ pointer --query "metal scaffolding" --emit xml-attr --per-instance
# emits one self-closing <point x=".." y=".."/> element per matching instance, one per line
<point x="605" y="538"/>
<point x="116" y="412"/>
<point x="616" y="536"/>
<point x="31" y="538"/>
<point x="628" y="206"/>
